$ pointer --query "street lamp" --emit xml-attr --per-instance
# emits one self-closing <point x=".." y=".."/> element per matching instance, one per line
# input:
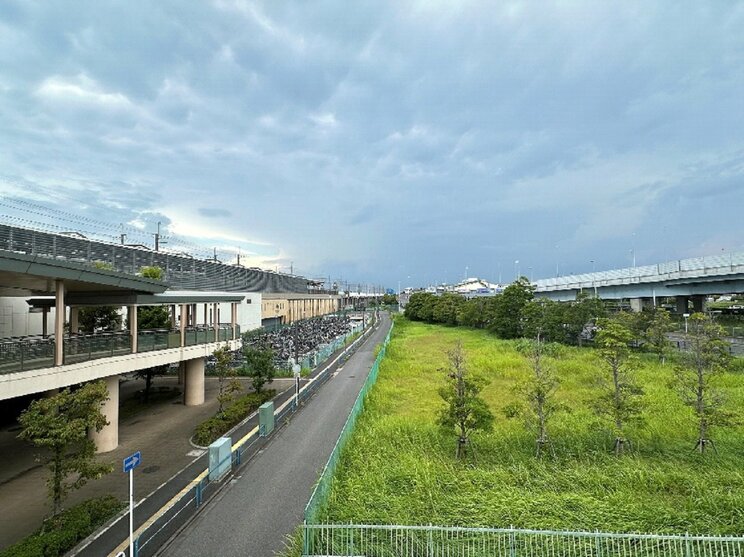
<point x="516" y="269"/>
<point x="594" y="284"/>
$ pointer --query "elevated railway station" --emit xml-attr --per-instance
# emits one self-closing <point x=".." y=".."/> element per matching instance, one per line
<point x="46" y="280"/>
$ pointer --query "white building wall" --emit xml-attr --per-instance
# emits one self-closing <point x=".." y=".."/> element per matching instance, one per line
<point x="16" y="321"/>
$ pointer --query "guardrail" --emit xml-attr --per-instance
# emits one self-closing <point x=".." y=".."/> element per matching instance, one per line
<point x="26" y="353"/>
<point x="159" y="528"/>
<point x="717" y="264"/>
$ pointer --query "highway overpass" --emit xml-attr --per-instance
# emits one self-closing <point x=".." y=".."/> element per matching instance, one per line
<point x="685" y="279"/>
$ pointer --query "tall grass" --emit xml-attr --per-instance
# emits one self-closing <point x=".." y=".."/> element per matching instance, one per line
<point x="400" y="468"/>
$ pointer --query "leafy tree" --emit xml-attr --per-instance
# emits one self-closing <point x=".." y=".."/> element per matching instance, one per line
<point x="447" y="308"/>
<point x="465" y="411"/>
<point x="546" y="319"/>
<point x="509" y="309"/>
<point x="476" y="312"/>
<point x="227" y="377"/>
<point x="578" y="314"/>
<point x="420" y="306"/>
<point x="655" y="335"/>
<point x="706" y="356"/>
<point x="389" y="299"/>
<point x="153" y="317"/>
<point x="99" y="318"/>
<point x="622" y="399"/>
<point x="259" y="366"/>
<point x="539" y="389"/>
<point x="60" y="424"/>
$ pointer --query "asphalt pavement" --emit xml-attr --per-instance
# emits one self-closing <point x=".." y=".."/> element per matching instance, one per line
<point x="264" y="503"/>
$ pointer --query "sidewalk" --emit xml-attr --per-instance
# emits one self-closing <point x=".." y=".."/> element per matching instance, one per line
<point x="161" y="432"/>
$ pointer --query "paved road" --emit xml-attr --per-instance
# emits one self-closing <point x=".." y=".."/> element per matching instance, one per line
<point x="264" y="503"/>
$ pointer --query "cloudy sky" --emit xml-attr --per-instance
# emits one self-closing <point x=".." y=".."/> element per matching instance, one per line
<point x="377" y="141"/>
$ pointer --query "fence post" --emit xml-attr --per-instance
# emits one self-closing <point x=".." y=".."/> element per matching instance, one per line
<point x="198" y="494"/>
<point x="688" y="553"/>
<point x="430" y="542"/>
<point x="512" y="542"/>
<point x="597" y="544"/>
<point x="305" y="540"/>
<point x="136" y="547"/>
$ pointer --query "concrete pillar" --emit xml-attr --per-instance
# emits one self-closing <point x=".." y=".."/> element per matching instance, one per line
<point x="74" y="320"/>
<point x="234" y="318"/>
<point x="182" y="325"/>
<point x="45" y="322"/>
<point x="173" y="316"/>
<point x="216" y="323"/>
<point x="193" y="390"/>
<point x="108" y="438"/>
<point x="59" y="322"/>
<point x="206" y="316"/>
<point x="636" y="305"/>
<point x="698" y="303"/>
<point x="132" y="316"/>
<point x="682" y="304"/>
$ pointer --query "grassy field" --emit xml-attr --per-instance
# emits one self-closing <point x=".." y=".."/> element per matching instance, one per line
<point x="400" y="468"/>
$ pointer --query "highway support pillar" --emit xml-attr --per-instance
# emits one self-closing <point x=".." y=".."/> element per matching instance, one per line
<point x="698" y="303"/>
<point x="108" y="438"/>
<point x="193" y="388"/>
<point x="182" y="325"/>
<point x="682" y="303"/>
<point x="59" y="322"/>
<point x="637" y="304"/>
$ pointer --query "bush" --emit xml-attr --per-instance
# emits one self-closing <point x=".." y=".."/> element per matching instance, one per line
<point x="61" y="533"/>
<point x="216" y="426"/>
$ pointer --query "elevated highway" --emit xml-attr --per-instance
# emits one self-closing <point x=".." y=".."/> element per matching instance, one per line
<point x="685" y="279"/>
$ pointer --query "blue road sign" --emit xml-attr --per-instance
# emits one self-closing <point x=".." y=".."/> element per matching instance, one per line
<point x="131" y="462"/>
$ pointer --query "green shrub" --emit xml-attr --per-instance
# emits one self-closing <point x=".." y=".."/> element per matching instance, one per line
<point x="213" y="428"/>
<point x="61" y="533"/>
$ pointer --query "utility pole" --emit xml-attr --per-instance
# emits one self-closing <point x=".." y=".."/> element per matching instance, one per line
<point x="123" y="238"/>
<point x="157" y="238"/>
<point x="214" y="257"/>
<point x="238" y="257"/>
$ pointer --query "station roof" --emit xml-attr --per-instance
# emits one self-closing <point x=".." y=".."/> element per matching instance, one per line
<point x="168" y="297"/>
<point x="26" y="275"/>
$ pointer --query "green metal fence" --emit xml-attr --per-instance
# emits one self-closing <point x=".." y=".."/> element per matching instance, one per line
<point x="320" y="493"/>
<point x="394" y="541"/>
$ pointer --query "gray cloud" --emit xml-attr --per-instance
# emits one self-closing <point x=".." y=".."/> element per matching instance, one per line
<point x="390" y="140"/>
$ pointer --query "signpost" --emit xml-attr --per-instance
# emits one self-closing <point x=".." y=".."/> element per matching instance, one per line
<point x="129" y="464"/>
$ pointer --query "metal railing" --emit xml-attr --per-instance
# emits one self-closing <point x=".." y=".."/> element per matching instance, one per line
<point x="717" y="264"/>
<point x="161" y="527"/>
<point x="26" y="353"/>
<point x="393" y="540"/>
<point x="84" y="347"/>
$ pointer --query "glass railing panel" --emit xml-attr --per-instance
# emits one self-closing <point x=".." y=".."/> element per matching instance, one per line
<point x="174" y="339"/>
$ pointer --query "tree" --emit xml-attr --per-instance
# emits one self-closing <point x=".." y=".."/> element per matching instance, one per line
<point x="655" y="335"/>
<point x="259" y="366"/>
<point x="447" y="308"/>
<point x="622" y="399"/>
<point x="539" y="389"/>
<point x="545" y="318"/>
<point x="705" y="357"/>
<point x="99" y="318"/>
<point x="508" y="312"/>
<point x="60" y="424"/>
<point x="465" y="411"/>
<point x="153" y="317"/>
<point x="579" y="313"/>
<point x="389" y="300"/>
<point x="152" y="272"/>
<point x="419" y="306"/>
<point x="226" y="377"/>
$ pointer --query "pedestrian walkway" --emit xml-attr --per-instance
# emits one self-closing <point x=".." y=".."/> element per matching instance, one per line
<point x="161" y="432"/>
<point x="264" y="502"/>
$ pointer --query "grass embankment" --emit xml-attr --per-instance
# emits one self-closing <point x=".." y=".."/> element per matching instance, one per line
<point x="67" y="529"/>
<point x="212" y="429"/>
<point x="399" y="466"/>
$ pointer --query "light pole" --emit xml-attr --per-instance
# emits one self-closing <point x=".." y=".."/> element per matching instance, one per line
<point x="516" y="269"/>
<point x="594" y="284"/>
<point x="530" y="271"/>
